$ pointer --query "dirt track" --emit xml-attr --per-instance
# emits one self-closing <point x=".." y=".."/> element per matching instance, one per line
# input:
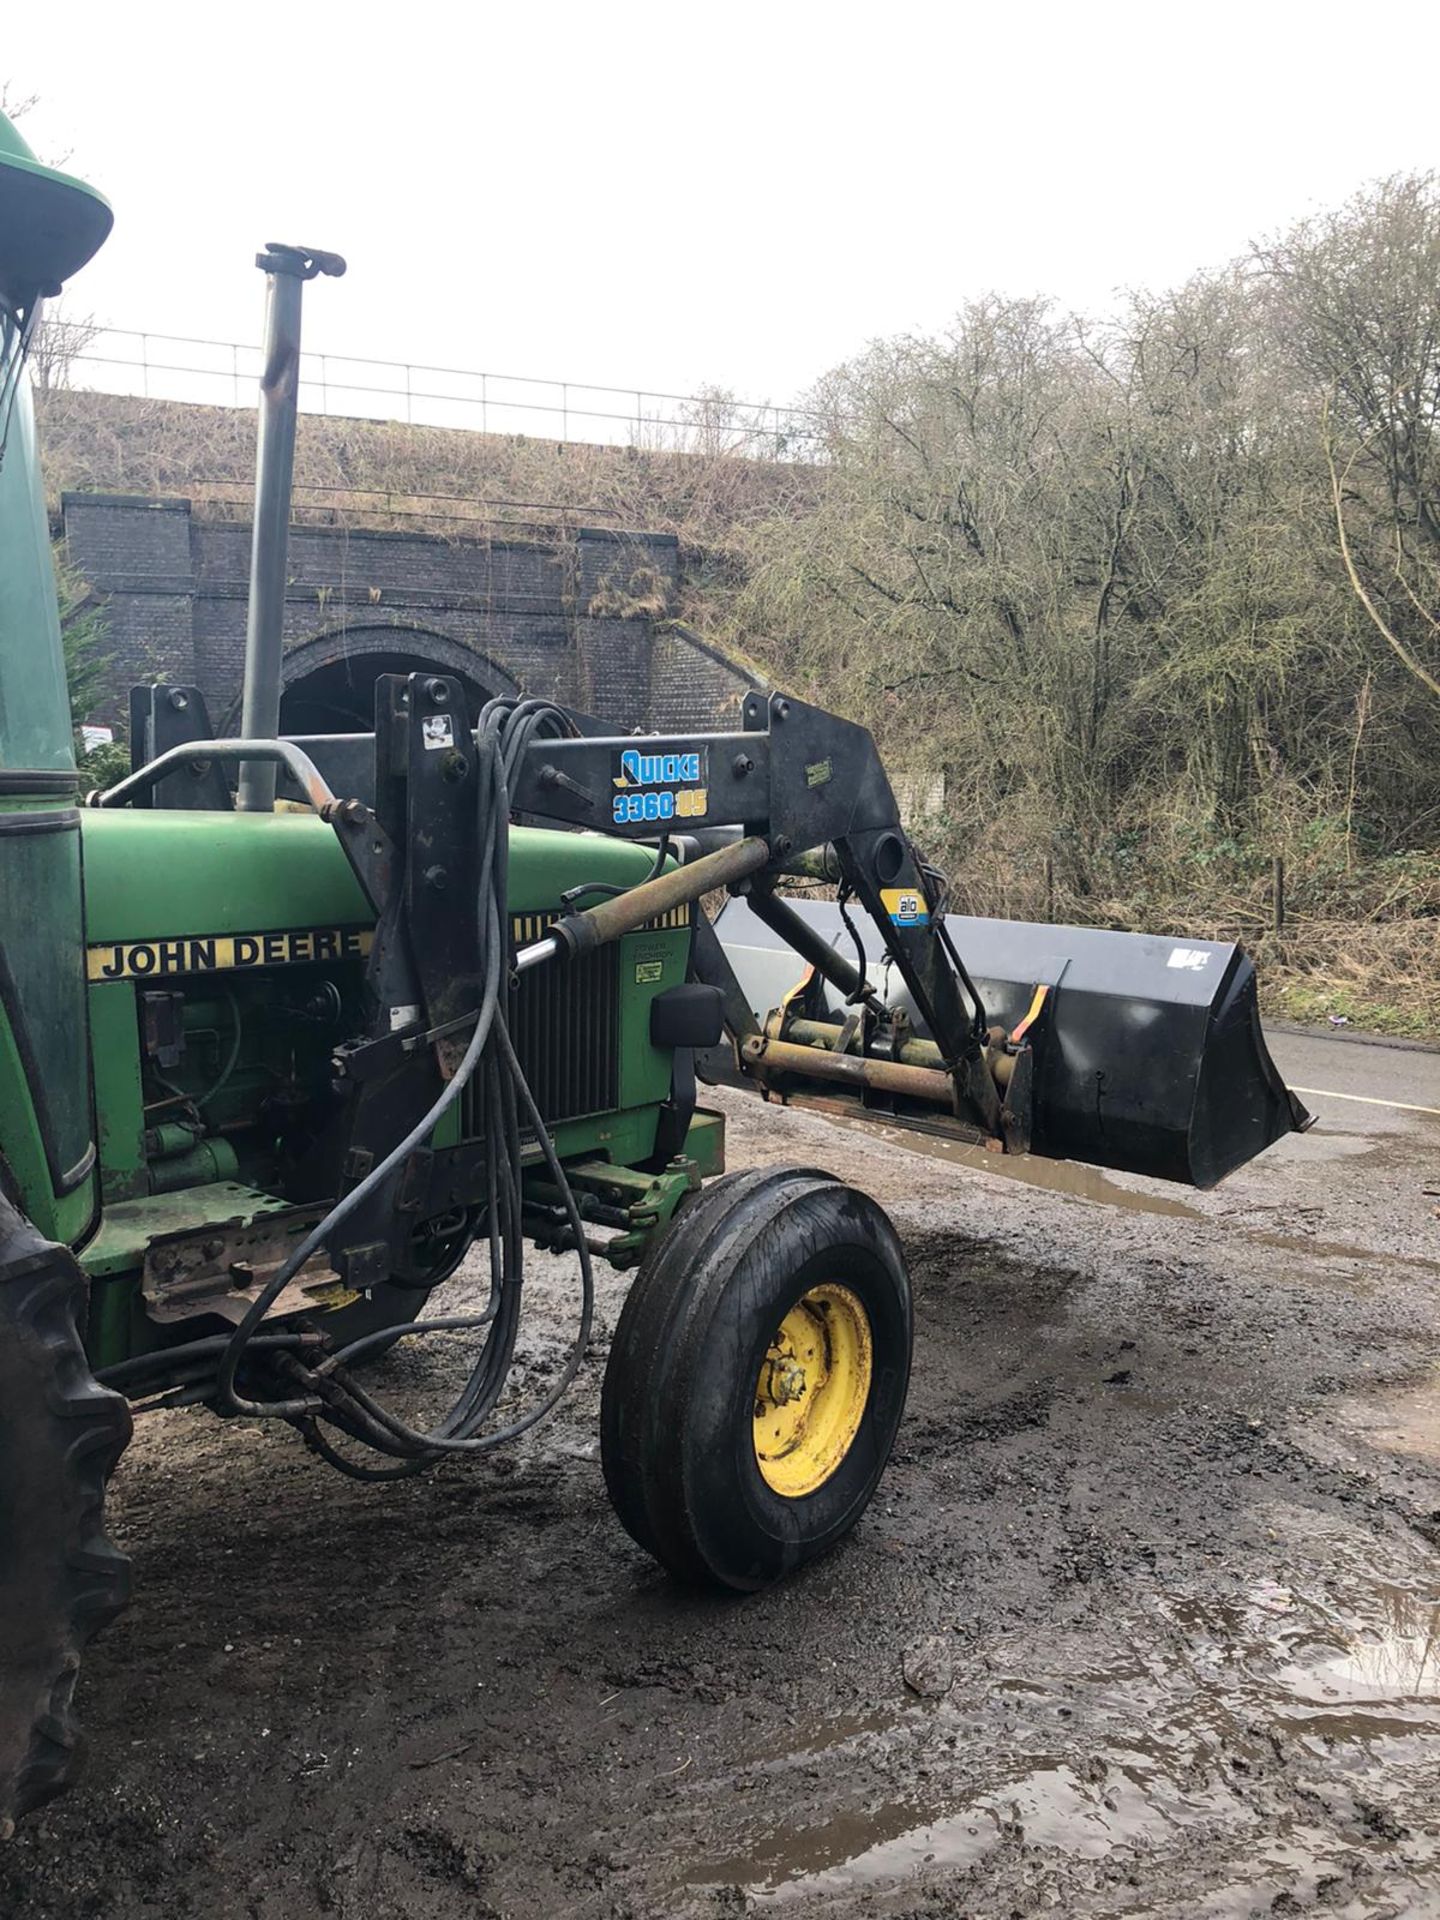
<point x="1157" y="1550"/>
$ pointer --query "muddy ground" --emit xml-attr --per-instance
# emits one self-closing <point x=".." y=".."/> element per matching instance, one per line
<point x="1157" y="1553"/>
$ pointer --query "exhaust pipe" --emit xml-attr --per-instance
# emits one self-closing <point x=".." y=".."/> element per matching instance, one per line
<point x="286" y="270"/>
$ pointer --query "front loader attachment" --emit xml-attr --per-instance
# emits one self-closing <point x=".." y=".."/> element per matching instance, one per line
<point x="1118" y="1050"/>
<point x="1148" y="1057"/>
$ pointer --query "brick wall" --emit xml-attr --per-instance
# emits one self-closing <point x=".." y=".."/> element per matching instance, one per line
<point x="583" y="618"/>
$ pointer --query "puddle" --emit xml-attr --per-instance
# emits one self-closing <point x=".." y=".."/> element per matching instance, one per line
<point x="1396" y="1659"/>
<point x="1164" y="1731"/>
<point x="1056" y="1176"/>
<point x="1342" y="1250"/>
<point x="1070" y="1178"/>
<point x="840" y="1730"/>
<point x="1051" y="1807"/>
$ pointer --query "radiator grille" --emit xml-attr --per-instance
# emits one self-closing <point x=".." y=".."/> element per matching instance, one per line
<point x="565" y="1023"/>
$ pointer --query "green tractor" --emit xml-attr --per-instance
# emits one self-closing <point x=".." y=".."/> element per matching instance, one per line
<point x="275" y="1059"/>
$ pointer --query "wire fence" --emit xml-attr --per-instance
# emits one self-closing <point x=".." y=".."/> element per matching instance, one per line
<point x="167" y="366"/>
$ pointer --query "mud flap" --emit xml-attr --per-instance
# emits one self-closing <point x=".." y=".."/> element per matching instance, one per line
<point x="1151" y="1060"/>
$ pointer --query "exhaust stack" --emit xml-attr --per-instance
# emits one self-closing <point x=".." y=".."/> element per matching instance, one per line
<point x="286" y="270"/>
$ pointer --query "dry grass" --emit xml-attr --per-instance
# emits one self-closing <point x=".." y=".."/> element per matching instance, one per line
<point x="430" y="479"/>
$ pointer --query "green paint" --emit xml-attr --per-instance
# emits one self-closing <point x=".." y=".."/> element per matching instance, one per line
<point x="151" y="874"/>
<point x="20" y="1144"/>
<point x="22" y="1150"/>
<point x="645" y="1070"/>
<point x="119" y="1113"/>
<point x="118" y="1326"/>
<point x="54" y="224"/>
<point x="35" y="711"/>
<point x="543" y="865"/>
<point x="130" y="1225"/>
<point x="159" y="875"/>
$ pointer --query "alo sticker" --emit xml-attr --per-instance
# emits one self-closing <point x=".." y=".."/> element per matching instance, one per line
<point x="1190" y="958"/>
<point x="437" y="730"/>
<point x="906" y="906"/>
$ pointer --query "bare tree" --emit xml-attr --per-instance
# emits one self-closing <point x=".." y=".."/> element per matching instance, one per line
<point x="58" y="344"/>
<point x="1355" y="300"/>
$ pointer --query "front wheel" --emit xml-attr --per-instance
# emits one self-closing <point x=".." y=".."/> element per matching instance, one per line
<point x="757" y="1377"/>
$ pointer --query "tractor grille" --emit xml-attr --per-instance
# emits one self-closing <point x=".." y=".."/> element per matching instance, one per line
<point x="565" y="1023"/>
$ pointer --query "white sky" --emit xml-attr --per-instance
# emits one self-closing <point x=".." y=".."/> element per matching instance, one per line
<point x="670" y="195"/>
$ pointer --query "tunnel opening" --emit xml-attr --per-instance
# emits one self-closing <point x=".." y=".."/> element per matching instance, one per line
<point x="338" y="694"/>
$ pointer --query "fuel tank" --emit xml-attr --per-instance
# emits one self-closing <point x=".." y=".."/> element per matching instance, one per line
<point x="1149" y="1055"/>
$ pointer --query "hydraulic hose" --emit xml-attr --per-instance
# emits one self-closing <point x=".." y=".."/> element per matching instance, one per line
<point x="328" y="1392"/>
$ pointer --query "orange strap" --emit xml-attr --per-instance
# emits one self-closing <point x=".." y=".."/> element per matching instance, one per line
<point x="1041" y="995"/>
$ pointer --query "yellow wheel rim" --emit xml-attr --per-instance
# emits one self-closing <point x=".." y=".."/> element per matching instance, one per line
<point x="813" y="1389"/>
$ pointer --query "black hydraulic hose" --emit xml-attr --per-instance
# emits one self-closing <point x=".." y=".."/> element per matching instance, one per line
<point x="940" y="905"/>
<point x="981" y="1017"/>
<point x="404" y="1434"/>
<point x="329" y="1391"/>
<point x="368" y="1342"/>
<point x="863" y="990"/>
<point x="159" y="1359"/>
<point x="340" y="1212"/>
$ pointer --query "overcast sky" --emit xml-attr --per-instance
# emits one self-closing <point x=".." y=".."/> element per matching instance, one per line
<point x="670" y="195"/>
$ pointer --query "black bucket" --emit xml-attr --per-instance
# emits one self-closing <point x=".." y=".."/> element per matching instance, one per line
<point x="1151" y="1058"/>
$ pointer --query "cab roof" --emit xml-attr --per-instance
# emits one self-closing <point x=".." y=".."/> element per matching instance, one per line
<point x="50" y="223"/>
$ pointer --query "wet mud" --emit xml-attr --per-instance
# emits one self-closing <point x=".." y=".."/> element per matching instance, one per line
<point x="1144" y="1620"/>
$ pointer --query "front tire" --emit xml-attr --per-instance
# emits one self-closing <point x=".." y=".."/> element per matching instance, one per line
<point x="757" y="1378"/>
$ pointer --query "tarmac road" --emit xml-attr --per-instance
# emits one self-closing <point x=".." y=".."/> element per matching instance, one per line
<point x="1145" y="1619"/>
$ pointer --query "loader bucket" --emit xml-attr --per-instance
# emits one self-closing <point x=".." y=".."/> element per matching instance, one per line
<point x="1151" y="1058"/>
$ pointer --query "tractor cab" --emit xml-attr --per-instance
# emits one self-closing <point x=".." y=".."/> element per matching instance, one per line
<point x="50" y="225"/>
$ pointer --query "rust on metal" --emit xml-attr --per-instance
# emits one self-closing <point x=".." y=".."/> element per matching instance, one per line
<point x="848" y="1069"/>
<point x="627" y="911"/>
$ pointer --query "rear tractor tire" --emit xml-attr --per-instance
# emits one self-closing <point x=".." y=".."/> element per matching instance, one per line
<point x="757" y="1378"/>
<point x="60" y="1578"/>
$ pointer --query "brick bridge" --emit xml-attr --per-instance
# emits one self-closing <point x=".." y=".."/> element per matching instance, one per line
<point x="578" y="615"/>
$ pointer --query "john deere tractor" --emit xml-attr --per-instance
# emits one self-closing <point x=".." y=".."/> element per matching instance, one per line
<point x="289" y="1028"/>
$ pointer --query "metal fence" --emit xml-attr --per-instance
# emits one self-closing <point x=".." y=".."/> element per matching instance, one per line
<point x="167" y="366"/>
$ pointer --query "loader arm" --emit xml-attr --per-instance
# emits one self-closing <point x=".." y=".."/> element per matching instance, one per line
<point x="1128" y="1051"/>
<point x="800" y="782"/>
